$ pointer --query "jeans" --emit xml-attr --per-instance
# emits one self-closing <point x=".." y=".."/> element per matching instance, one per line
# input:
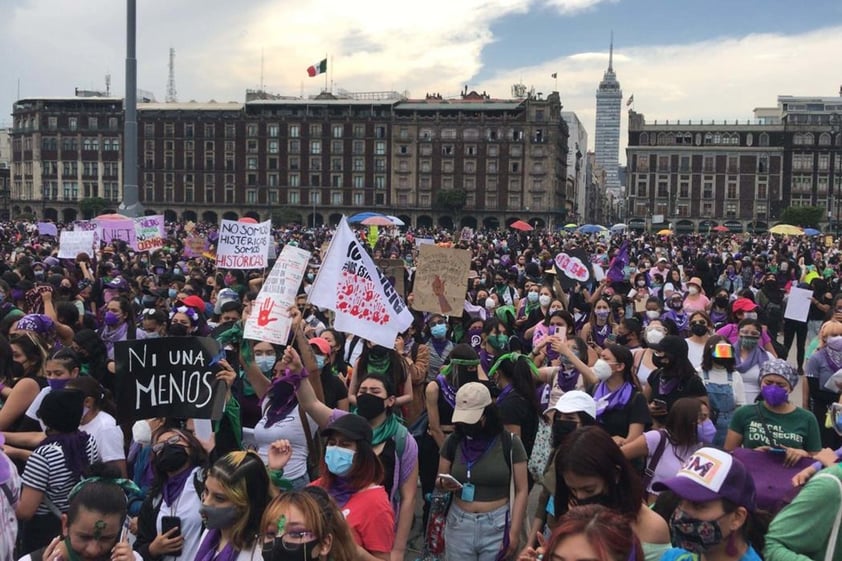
<point x="474" y="537"/>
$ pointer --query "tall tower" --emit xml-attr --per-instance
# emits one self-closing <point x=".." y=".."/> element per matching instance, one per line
<point x="172" y="96"/>
<point x="609" y="99"/>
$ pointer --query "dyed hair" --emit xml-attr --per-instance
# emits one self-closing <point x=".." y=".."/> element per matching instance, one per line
<point x="591" y="452"/>
<point x="321" y="516"/>
<point x="366" y="469"/>
<point x="33" y="348"/>
<point x="609" y="533"/>
<point x="245" y="481"/>
<point x="829" y="329"/>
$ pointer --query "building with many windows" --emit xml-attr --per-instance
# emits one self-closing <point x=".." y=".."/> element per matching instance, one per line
<point x="609" y="99"/>
<point x="576" y="166"/>
<point x="695" y="176"/>
<point x="307" y="160"/>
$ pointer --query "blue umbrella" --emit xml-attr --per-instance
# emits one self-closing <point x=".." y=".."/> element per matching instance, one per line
<point x="591" y="229"/>
<point x="811" y="232"/>
<point x="359" y="217"/>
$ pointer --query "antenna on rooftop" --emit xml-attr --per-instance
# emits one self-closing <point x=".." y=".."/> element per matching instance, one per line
<point x="172" y="96"/>
<point x="108" y="85"/>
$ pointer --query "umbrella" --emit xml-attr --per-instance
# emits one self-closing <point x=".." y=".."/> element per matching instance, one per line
<point x="378" y="220"/>
<point x="359" y="217"/>
<point x="786" y="229"/>
<point x="521" y="225"/>
<point x="247" y="220"/>
<point x="811" y="232"/>
<point x="112" y="217"/>
<point x="619" y="227"/>
<point x="571" y="226"/>
<point x="395" y="220"/>
<point x="665" y="232"/>
<point x="720" y="229"/>
<point x="591" y="229"/>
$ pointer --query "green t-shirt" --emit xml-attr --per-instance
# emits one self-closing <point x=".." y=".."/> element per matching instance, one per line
<point x="491" y="473"/>
<point x="797" y="429"/>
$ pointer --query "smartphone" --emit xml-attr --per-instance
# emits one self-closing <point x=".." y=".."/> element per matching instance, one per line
<point x="660" y="403"/>
<point x="170" y="522"/>
<point x="449" y="478"/>
<point x="777" y="450"/>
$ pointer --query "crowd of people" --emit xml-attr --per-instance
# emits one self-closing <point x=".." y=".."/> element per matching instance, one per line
<point x="648" y="415"/>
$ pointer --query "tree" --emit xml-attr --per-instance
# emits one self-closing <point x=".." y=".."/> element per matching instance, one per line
<point x="804" y="216"/>
<point x="92" y="206"/>
<point x="284" y="216"/>
<point x="452" y="200"/>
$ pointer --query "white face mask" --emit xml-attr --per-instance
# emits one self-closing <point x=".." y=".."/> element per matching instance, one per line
<point x="489" y="303"/>
<point x="544" y="300"/>
<point x="750" y="315"/>
<point x="653" y="314"/>
<point x="654" y="336"/>
<point x="142" y="432"/>
<point x="692" y="290"/>
<point x="601" y="369"/>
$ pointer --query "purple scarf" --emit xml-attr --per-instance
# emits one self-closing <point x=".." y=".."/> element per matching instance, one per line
<point x="174" y="485"/>
<point x="207" y="549"/>
<point x="447" y="391"/>
<point x="281" y="396"/>
<point x="486" y="360"/>
<point x="567" y="379"/>
<point x="340" y="490"/>
<point x="757" y="357"/>
<point x="439" y="345"/>
<point x="609" y="401"/>
<point x="504" y="394"/>
<point x="74" y="446"/>
<point x="666" y="385"/>
<point x="475" y="448"/>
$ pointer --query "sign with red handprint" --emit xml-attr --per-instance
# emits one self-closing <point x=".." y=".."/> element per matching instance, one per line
<point x="440" y="279"/>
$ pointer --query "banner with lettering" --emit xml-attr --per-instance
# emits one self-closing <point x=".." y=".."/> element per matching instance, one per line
<point x="195" y="246"/>
<point x="441" y="277"/>
<point x="243" y="245"/>
<point x="171" y="377"/>
<point x="365" y="302"/>
<point x="395" y="271"/>
<point x="72" y="243"/>
<point x="149" y="232"/>
<point x="47" y="229"/>
<point x="269" y="320"/>
<point x="573" y="267"/>
<point x="117" y="229"/>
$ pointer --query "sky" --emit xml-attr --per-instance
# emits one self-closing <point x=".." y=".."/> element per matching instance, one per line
<point x="681" y="59"/>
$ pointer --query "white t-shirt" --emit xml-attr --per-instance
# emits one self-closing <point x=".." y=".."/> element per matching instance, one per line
<point x="109" y="437"/>
<point x="695" y="352"/>
<point x="289" y="428"/>
<point x="751" y="382"/>
<point x="185" y="507"/>
<point x="32" y="410"/>
<point x="718" y="375"/>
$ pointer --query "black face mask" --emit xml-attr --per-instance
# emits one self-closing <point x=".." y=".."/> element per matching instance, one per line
<point x="370" y="406"/>
<point x="721" y="301"/>
<point x="661" y="361"/>
<point x="562" y="428"/>
<point x="171" y="458"/>
<point x="698" y="329"/>
<point x="300" y="552"/>
<point x="623" y="339"/>
<point x="177" y="330"/>
<point x="378" y="352"/>
<point x="471" y="431"/>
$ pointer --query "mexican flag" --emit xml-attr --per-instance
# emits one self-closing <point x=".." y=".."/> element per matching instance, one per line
<point x="318" y="68"/>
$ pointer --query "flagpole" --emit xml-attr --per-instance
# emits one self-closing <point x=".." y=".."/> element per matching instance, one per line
<point x="330" y="69"/>
<point x="555" y="75"/>
<point x="326" y="73"/>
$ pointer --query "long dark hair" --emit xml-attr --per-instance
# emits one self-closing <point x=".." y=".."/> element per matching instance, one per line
<point x="103" y="400"/>
<point x="590" y="451"/>
<point x="92" y="350"/>
<point x="396" y="369"/>
<point x="625" y="357"/>
<point x="517" y="370"/>
<point x="198" y="456"/>
<point x="682" y="422"/>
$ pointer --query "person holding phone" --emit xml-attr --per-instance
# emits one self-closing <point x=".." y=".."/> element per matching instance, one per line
<point x="169" y="524"/>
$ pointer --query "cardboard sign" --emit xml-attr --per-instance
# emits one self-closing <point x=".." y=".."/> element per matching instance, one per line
<point x="395" y="272"/>
<point x="573" y="267"/>
<point x="441" y="277"/>
<point x="71" y="244"/>
<point x="243" y="245"/>
<point x="169" y="377"/>
<point x="110" y="230"/>
<point x="269" y="320"/>
<point x="149" y="232"/>
<point x="195" y="246"/>
<point x="47" y="229"/>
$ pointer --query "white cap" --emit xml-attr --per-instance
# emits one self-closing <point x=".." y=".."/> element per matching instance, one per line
<point x="575" y="401"/>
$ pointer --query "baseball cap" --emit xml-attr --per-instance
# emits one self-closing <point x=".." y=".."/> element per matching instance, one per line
<point x="672" y="345"/>
<point x="779" y="367"/>
<point x="225" y="295"/>
<point x="321" y="344"/>
<point x="350" y="426"/>
<point x="471" y="401"/>
<point x="743" y="305"/>
<point x="575" y="401"/>
<point x="712" y="474"/>
<point x="194" y="302"/>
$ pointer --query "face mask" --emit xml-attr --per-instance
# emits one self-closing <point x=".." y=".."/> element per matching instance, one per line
<point x="57" y="384"/>
<point x="470" y="431"/>
<point x="2" y="297"/>
<point x="834" y="343"/>
<point x="176" y="271"/>
<point x="438" y="331"/>
<point x="532" y="297"/>
<point x="369" y="406"/>
<point x="265" y="363"/>
<point x="601" y="314"/>
<point x="653" y="314"/>
<point x="721" y="301"/>
<point x="623" y="339"/>
<point x="694" y="535"/>
<point x="475" y="338"/>
<point x="552" y="310"/>
<point x="339" y="460"/>
<point x="310" y="277"/>
<point x="171" y="458"/>
<point x="749" y="343"/>
<point x="489" y="303"/>
<point x="692" y="290"/>
<point x="142" y="432"/>
<point x="39" y="275"/>
<point x="654" y="336"/>
<point x="750" y="315"/>
<point x="172" y="293"/>
<point x="544" y="300"/>
<point x="498" y="342"/>
<point x="320" y="361"/>
<point x="641" y="283"/>
<point x="300" y="552"/>
<point x="228" y="280"/>
<point x="217" y="518"/>
<point x="706" y="431"/>
<point x="177" y="330"/>
<point x="378" y="352"/>
<point x="774" y="395"/>
<point x="148" y="301"/>
<point x="562" y="429"/>
<point x="675" y="304"/>
<point x="601" y="369"/>
<point x="111" y="318"/>
<point x="660" y="361"/>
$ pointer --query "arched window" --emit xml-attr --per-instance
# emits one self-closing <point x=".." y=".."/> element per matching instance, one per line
<point x="809" y="139"/>
<point x="764" y="139"/>
<point x="708" y="138"/>
<point x="662" y="139"/>
<point x="644" y="139"/>
<point x="824" y="139"/>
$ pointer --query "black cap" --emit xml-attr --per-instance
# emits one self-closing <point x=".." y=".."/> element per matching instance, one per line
<point x="350" y="426"/>
<point x="672" y="345"/>
<point x="61" y="410"/>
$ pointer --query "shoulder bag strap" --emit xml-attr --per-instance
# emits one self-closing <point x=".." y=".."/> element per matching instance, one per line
<point x="834" y="533"/>
<point x="772" y="442"/>
<point x="652" y="465"/>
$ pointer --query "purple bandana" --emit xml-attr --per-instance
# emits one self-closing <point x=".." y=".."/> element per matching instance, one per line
<point x="617" y="399"/>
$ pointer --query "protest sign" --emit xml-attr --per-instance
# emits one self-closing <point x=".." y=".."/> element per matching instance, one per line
<point x="171" y="377"/>
<point x="47" y="229"/>
<point x="243" y="245"/>
<point x="195" y="246"/>
<point x="149" y="232"/>
<point x="269" y="320"/>
<point x="573" y="267"/>
<point x="394" y="271"/>
<point x="467" y="234"/>
<point x="798" y="304"/>
<point x="365" y="302"/>
<point x="71" y="244"/>
<point x="441" y="276"/>
<point x="424" y="241"/>
<point x="120" y="229"/>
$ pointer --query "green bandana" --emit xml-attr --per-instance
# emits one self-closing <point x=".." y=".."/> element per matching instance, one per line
<point x="379" y="365"/>
<point x="386" y="430"/>
<point x="514" y="357"/>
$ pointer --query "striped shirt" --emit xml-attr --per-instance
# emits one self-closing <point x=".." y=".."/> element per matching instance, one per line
<point x="46" y="471"/>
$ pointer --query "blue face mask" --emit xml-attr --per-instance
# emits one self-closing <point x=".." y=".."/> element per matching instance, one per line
<point x="265" y="362"/>
<point x="2" y="297"/>
<point x="172" y="293"/>
<point x="339" y="460"/>
<point x="438" y="331"/>
<point x="320" y="361"/>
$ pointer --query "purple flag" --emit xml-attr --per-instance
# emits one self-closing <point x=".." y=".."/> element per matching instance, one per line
<point x="616" y="271"/>
<point x="47" y="229"/>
